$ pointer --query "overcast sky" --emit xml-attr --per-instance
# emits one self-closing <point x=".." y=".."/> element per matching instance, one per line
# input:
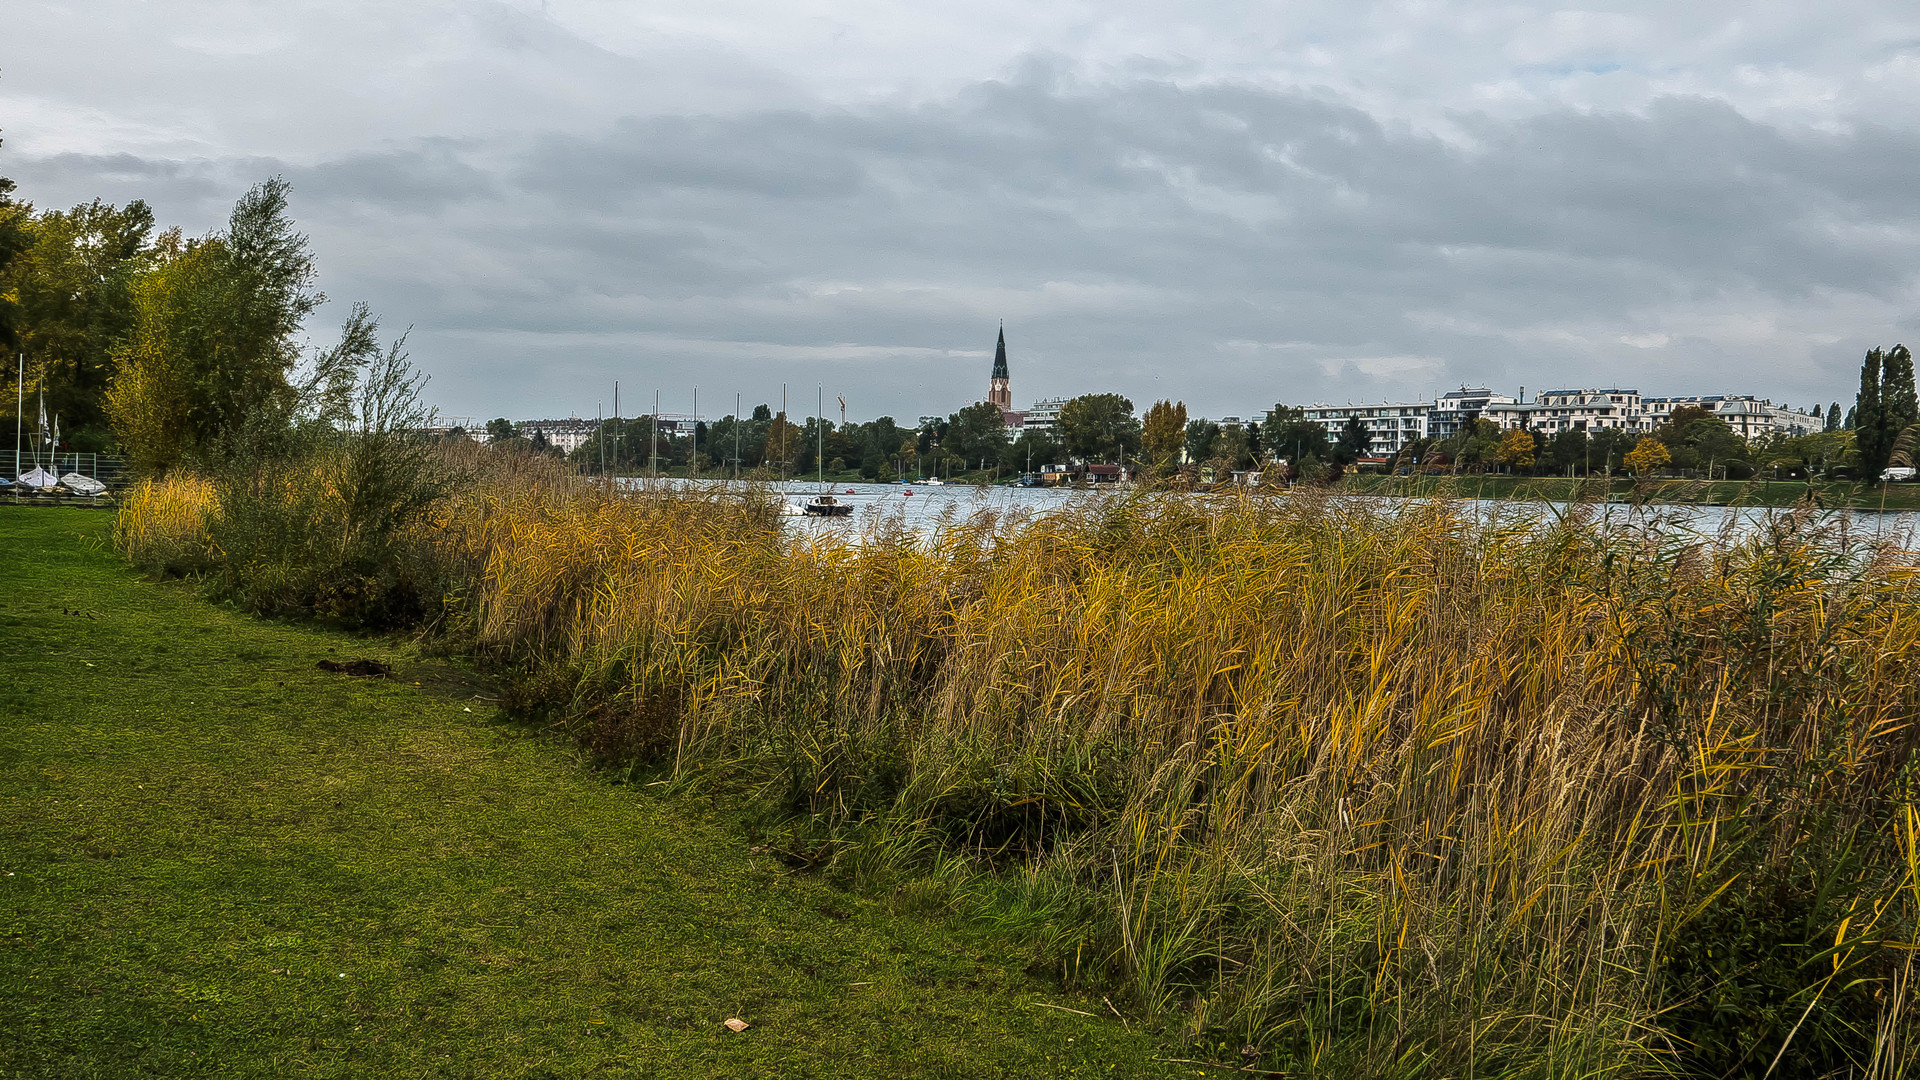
<point x="1221" y="203"/>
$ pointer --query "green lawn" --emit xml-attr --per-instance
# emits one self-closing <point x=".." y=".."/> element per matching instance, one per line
<point x="217" y="860"/>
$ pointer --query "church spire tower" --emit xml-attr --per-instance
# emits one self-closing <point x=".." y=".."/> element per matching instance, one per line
<point x="1000" y="389"/>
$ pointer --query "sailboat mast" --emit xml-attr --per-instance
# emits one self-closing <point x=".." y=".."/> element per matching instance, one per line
<point x="820" y="432"/>
<point x="19" y="413"/>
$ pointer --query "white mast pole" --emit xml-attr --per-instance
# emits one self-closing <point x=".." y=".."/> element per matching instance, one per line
<point x="19" y="414"/>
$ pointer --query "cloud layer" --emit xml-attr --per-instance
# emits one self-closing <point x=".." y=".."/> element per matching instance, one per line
<point x="1157" y="206"/>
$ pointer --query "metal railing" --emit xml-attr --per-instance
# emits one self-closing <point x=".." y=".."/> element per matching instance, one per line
<point x="106" y="468"/>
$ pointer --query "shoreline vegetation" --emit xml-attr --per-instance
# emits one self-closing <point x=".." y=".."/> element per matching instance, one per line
<point x="1419" y="793"/>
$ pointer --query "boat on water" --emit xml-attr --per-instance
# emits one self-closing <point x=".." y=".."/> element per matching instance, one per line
<point x="825" y="506"/>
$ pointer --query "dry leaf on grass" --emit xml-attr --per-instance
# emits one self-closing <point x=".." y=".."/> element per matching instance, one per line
<point x="735" y="1024"/>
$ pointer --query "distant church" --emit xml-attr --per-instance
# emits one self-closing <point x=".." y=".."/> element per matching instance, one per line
<point x="1000" y="387"/>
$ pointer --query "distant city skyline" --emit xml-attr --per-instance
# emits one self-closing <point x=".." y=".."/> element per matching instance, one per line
<point x="1225" y="206"/>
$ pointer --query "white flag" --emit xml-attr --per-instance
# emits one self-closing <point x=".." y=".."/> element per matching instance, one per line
<point x="45" y="435"/>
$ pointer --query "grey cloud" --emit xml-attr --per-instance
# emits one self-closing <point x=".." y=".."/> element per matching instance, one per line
<point x="1222" y="242"/>
<point x="413" y="180"/>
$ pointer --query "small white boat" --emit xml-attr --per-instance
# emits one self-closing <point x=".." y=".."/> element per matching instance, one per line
<point x="39" y="479"/>
<point x="826" y="506"/>
<point x="82" y="484"/>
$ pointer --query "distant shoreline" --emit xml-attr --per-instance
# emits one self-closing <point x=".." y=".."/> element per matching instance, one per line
<point x="1838" y="495"/>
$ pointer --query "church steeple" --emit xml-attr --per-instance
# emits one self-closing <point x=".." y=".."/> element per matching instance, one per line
<point x="1000" y="388"/>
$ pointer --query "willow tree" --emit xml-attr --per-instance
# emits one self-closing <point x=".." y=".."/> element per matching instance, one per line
<point x="205" y="368"/>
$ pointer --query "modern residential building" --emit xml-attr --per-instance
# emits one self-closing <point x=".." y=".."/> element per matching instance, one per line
<point x="1042" y="416"/>
<point x="1556" y="411"/>
<point x="1394" y="424"/>
<point x="564" y="435"/>
<point x="1621" y="409"/>
<point x="1455" y="408"/>
<point x="1748" y="416"/>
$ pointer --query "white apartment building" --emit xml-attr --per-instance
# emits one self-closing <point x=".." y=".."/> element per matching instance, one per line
<point x="1627" y="410"/>
<point x="1042" y="416"/>
<point x="1748" y="416"/>
<point x="1556" y="411"/>
<point x="1456" y="407"/>
<point x="564" y="435"/>
<point x="1394" y="424"/>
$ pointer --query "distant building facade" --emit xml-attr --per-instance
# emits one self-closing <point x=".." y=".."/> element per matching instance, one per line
<point x="1043" y="416"/>
<point x="1396" y="424"/>
<point x="1621" y="409"/>
<point x="1393" y="424"/>
<point x="564" y="435"/>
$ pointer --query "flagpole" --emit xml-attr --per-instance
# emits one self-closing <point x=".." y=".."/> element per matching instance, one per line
<point x="19" y="414"/>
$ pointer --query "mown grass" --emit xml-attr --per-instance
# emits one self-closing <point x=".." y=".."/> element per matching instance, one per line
<point x="217" y="860"/>
<point x="1367" y="788"/>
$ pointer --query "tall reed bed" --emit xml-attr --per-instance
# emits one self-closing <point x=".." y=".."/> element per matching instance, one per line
<point x="1354" y="789"/>
<point x="163" y="526"/>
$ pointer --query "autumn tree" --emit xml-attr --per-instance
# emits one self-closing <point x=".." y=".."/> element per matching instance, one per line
<point x="1648" y="454"/>
<point x="1516" y="450"/>
<point x="1163" y="433"/>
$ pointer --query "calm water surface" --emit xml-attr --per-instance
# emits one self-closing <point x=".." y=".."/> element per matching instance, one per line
<point x="918" y="506"/>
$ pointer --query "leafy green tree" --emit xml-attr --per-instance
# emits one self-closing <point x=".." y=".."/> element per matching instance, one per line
<point x="1884" y="407"/>
<point x="1697" y="439"/>
<point x="1031" y="450"/>
<point x="1233" y="449"/>
<point x="1833" y="417"/>
<point x="1609" y="447"/>
<point x="205" y="366"/>
<point x="74" y="294"/>
<point x="1475" y="444"/>
<point x="499" y="429"/>
<point x="1356" y="441"/>
<point x="1200" y="436"/>
<point x="976" y="434"/>
<point x="1099" y="427"/>
<point x="15" y="238"/>
<point x="1567" y="452"/>
<point x="1289" y="435"/>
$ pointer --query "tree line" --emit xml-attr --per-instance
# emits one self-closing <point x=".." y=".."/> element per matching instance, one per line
<point x="176" y="350"/>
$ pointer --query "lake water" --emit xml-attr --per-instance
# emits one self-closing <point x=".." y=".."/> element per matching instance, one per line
<point x="919" y="506"/>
